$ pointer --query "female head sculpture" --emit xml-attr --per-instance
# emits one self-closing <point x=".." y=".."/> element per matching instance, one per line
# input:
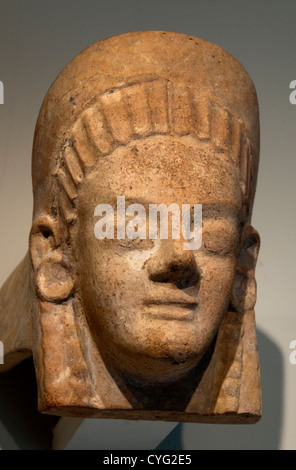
<point x="143" y="328"/>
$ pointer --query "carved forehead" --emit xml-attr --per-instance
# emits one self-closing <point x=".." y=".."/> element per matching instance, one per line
<point x="176" y="166"/>
<point x="163" y="169"/>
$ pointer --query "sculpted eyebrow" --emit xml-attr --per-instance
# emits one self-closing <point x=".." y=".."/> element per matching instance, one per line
<point x="209" y="210"/>
<point x="221" y="210"/>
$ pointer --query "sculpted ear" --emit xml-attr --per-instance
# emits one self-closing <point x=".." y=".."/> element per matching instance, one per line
<point x="54" y="276"/>
<point x="245" y="289"/>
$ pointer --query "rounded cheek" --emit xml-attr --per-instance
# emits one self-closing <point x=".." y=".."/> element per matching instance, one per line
<point x="116" y="288"/>
<point x="216" y="285"/>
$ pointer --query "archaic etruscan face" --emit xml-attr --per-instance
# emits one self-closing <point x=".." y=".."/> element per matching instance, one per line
<point x="159" y="325"/>
<point x="153" y="307"/>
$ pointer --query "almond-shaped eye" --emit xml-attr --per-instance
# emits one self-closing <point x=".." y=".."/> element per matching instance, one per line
<point x="220" y="237"/>
<point x="136" y="244"/>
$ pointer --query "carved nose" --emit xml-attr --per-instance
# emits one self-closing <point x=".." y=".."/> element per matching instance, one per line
<point x="173" y="264"/>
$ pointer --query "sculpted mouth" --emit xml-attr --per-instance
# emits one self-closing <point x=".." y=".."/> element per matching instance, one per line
<point x="168" y="302"/>
<point x="170" y="295"/>
<point x="181" y="307"/>
<point x="181" y="303"/>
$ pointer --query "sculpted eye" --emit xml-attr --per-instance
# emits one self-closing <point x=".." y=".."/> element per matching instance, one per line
<point x="137" y="244"/>
<point x="220" y="237"/>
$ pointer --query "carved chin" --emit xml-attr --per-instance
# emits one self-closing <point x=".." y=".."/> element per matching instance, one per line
<point x="160" y="363"/>
<point x="158" y="370"/>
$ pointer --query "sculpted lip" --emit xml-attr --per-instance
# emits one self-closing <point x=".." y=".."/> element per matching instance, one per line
<point x="182" y="303"/>
<point x="172" y="295"/>
<point x="177" y="308"/>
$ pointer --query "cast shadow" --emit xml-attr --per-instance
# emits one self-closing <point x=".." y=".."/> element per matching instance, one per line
<point x="265" y="435"/>
<point x="22" y="427"/>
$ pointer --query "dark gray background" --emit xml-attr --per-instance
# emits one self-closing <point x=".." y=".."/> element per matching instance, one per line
<point x="38" y="38"/>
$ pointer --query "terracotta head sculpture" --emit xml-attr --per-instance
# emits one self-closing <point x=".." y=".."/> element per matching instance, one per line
<point x="140" y="327"/>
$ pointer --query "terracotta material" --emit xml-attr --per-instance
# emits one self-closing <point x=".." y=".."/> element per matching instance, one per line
<point x="142" y="329"/>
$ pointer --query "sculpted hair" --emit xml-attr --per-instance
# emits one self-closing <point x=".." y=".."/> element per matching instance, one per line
<point x="141" y="110"/>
